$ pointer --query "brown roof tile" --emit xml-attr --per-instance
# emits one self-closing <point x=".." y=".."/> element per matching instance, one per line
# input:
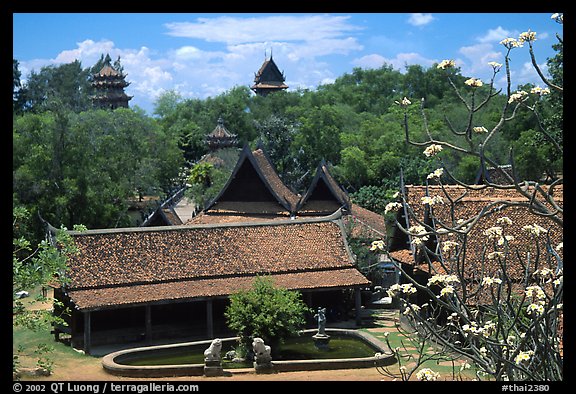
<point x="470" y="203"/>
<point x="213" y="287"/>
<point x="164" y="256"/>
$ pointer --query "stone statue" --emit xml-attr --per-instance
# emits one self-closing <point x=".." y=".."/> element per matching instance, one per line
<point x="261" y="351"/>
<point x="321" y="316"/>
<point x="262" y="356"/>
<point x="212" y="354"/>
<point x="212" y="361"/>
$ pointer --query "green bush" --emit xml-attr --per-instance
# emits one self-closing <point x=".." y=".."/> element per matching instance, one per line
<point x="266" y="312"/>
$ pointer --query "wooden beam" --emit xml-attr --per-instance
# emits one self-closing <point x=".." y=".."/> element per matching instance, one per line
<point x="148" y="322"/>
<point x="87" y="332"/>
<point x="358" y="305"/>
<point x="209" y="319"/>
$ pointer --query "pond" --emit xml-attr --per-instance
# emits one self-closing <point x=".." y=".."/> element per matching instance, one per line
<point x="296" y="348"/>
<point x="346" y="349"/>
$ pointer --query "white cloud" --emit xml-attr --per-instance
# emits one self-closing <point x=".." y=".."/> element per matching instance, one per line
<point x="234" y="30"/>
<point x="419" y="19"/>
<point x="370" y="61"/>
<point x="497" y="35"/>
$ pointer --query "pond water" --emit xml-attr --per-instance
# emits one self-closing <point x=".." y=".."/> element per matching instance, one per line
<point x="296" y="348"/>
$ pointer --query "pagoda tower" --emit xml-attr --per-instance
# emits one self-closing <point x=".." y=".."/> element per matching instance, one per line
<point x="221" y="138"/>
<point x="268" y="79"/>
<point x="108" y="85"/>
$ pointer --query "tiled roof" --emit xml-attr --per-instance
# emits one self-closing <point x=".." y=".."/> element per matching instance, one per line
<point x="366" y="223"/>
<point x="470" y="203"/>
<point x="213" y="287"/>
<point x="170" y="258"/>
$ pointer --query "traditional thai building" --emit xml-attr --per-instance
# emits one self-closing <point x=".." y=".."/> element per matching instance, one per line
<point x="109" y="84"/>
<point x="268" y="79"/>
<point x="221" y="138"/>
<point x="146" y="284"/>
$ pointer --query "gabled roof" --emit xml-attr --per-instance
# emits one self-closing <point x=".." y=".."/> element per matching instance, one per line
<point x="324" y="193"/>
<point x="158" y="264"/>
<point x="269" y="77"/>
<point x="254" y="181"/>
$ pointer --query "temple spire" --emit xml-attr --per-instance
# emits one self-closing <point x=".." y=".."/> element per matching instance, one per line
<point x="269" y="78"/>
<point x="109" y="84"/>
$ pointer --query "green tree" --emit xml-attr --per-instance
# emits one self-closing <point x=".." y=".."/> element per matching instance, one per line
<point x="267" y="312"/>
<point x="34" y="267"/>
<point x="67" y="85"/>
<point x="82" y="168"/>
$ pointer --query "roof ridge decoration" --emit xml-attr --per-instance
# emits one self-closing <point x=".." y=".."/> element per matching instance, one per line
<point x="334" y="217"/>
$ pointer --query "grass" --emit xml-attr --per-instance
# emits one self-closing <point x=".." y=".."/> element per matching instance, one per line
<point x="65" y="357"/>
<point x="409" y="347"/>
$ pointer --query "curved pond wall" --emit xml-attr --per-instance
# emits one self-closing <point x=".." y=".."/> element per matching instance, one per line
<point x="113" y="362"/>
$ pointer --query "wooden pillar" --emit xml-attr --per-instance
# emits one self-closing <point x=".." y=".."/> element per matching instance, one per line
<point x="87" y="332"/>
<point x="209" y="319"/>
<point x="148" y="322"/>
<point x="73" y="327"/>
<point x="358" y="305"/>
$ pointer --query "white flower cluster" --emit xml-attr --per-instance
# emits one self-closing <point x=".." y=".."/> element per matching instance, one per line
<point x="527" y="36"/>
<point x="436" y="174"/>
<point x="473" y="82"/>
<point x="495" y="65"/>
<point x="444" y="64"/>
<point x="473" y="329"/>
<point x="413" y="308"/>
<point x="427" y="374"/>
<point x="523" y="356"/>
<point x="543" y="273"/>
<point x="445" y="280"/>
<point x="540" y="91"/>
<point x="518" y="97"/>
<point x="479" y="129"/>
<point x="377" y="245"/>
<point x="536" y="308"/>
<point x="504" y="220"/>
<point x="512" y="43"/>
<point x="432" y="200"/>
<point x="558" y="17"/>
<point x="488" y="281"/>
<point x="419" y="235"/>
<point x="395" y="289"/>
<point x="496" y="233"/>
<point x="403" y="103"/>
<point x="432" y="150"/>
<point x="535" y="229"/>
<point x="392" y="207"/>
<point x="448" y="246"/>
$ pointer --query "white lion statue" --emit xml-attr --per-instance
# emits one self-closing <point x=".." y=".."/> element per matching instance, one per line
<point x="213" y="352"/>
<point x="261" y="351"/>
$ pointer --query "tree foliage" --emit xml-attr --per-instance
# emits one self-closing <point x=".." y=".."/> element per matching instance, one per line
<point x="265" y="311"/>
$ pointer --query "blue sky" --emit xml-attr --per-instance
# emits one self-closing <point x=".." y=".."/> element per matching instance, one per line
<point x="203" y="55"/>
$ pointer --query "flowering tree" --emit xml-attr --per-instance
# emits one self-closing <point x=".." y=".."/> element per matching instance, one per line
<point x="498" y="305"/>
